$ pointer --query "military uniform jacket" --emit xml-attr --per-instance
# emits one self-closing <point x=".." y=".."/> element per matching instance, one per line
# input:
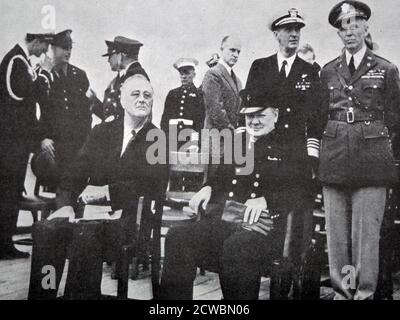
<point x="111" y="107"/>
<point x="65" y="114"/>
<point x="184" y="103"/>
<point x="100" y="163"/>
<point x="20" y="88"/>
<point x="359" y="154"/>
<point x="298" y="99"/>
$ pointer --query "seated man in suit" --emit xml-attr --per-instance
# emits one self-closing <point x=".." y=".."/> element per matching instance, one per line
<point x="112" y="165"/>
<point x="240" y="254"/>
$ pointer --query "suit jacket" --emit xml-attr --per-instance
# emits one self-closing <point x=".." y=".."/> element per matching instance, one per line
<point x="99" y="163"/>
<point x="20" y="88"/>
<point x="65" y="114"/>
<point x="184" y="103"/>
<point x="374" y="88"/>
<point x="111" y="105"/>
<point x="221" y="98"/>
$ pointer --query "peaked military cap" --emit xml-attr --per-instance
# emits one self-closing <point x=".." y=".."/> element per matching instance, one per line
<point x="253" y="102"/>
<point x="124" y="45"/>
<point x="63" y="39"/>
<point x="185" y="62"/>
<point x="292" y="17"/>
<point x="347" y="10"/>
<point x="41" y="36"/>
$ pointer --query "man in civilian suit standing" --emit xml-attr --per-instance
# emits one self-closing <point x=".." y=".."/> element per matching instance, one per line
<point x="221" y="90"/>
<point x="295" y="88"/>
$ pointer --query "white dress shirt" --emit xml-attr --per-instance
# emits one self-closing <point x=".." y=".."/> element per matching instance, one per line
<point x="289" y="61"/>
<point x="128" y="135"/>
<point x="228" y="68"/>
<point x="357" y="56"/>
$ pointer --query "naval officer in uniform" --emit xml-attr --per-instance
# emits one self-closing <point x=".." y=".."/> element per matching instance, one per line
<point x="184" y="106"/>
<point x="357" y="163"/>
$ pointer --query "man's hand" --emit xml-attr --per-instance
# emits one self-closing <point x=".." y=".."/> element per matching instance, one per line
<point x="253" y="210"/>
<point x="204" y="196"/>
<point x="47" y="145"/>
<point x="47" y="64"/>
<point x="94" y="194"/>
<point x="64" y="212"/>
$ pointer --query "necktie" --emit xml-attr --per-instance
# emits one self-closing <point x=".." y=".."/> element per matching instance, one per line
<point x="352" y="67"/>
<point x="134" y="134"/>
<point x="233" y="77"/>
<point x="282" y="72"/>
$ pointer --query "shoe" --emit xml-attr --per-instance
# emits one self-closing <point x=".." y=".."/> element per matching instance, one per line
<point x="13" y="253"/>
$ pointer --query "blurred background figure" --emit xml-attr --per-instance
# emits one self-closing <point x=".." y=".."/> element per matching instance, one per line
<point x="213" y="60"/>
<point x="307" y="53"/>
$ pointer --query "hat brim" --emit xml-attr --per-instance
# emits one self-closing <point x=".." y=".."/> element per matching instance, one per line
<point x="252" y="110"/>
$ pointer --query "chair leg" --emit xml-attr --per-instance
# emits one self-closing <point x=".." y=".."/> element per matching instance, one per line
<point x="281" y="280"/>
<point x="155" y="262"/>
<point x="122" y="291"/>
<point x="135" y="268"/>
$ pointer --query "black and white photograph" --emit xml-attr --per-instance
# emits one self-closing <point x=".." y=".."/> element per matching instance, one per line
<point x="217" y="152"/>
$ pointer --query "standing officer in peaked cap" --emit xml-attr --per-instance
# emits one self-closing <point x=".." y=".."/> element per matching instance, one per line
<point x="184" y="106"/>
<point x="294" y="87"/>
<point x="65" y="114"/>
<point x="123" y="55"/>
<point x="356" y="162"/>
<point x="21" y="86"/>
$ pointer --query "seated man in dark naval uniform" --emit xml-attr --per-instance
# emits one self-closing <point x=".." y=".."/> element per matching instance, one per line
<point x="184" y="106"/>
<point x="112" y="166"/>
<point x="240" y="255"/>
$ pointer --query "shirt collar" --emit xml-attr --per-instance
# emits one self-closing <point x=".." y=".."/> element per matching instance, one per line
<point x="228" y="68"/>
<point x="358" y="56"/>
<point x="289" y="60"/>
<point x="123" y="71"/>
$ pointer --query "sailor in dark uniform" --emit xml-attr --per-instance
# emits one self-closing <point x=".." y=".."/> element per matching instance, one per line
<point x="240" y="256"/>
<point x="184" y="106"/>
<point x="65" y="115"/>
<point x="123" y="54"/>
<point x="20" y="88"/>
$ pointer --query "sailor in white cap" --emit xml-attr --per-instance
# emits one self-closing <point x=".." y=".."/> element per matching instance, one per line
<point x="184" y="107"/>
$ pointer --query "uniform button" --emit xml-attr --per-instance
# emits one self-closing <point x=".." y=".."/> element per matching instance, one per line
<point x="66" y="107"/>
<point x="184" y="91"/>
<point x="234" y="181"/>
<point x="257" y="175"/>
<point x="375" y="86"/>
<point x="288" y="109"/>
<point x="114" y="104"/>
<point x="230" y="194"/>
<point x="65" y="99"/>
<point x="331" y="88"/>
<point x="182" y="108"/>
<point x="180" y="127"/>
<point x="183" y="97"/>
<point x="253" y="195"/>
<point x="112" y="90"/>
<point x="256" y="184"/>
<point x="350" y="87"/>
<point x="286" y="126"/>
<point x="65" y="91"/>
<point x="108" y="99"/>
<point x="181" y="114"/>
<point x="350" y="98"/>
<point x="182" y="101"/>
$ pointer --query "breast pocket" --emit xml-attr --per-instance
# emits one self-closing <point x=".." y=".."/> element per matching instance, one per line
<point x="334" y="92"/>
<point x="377" y="144"/>
<point x="372" y="90"/>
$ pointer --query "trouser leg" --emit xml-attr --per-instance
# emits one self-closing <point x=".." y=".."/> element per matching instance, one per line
<point x="185" y="249"/>
<point x="244" y="259"/>
<point x="368" y="206"/>
<point x="50" y="241"/>
<point x="338" y="226"/>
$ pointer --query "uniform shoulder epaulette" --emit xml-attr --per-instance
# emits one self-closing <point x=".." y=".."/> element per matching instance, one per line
<point x="381" y="58"/>
<point x="332" y="61"/>
<point x="77" y="70"/>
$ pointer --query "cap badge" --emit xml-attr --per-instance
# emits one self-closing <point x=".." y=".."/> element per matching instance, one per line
<point x="293" y="12"/>
<point x="346" y="8"/>
<point x="248" y="98"/>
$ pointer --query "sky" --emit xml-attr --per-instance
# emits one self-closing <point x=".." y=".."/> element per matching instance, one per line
<point x="170" y="29"/>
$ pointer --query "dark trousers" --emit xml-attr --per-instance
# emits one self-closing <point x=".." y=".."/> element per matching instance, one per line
<point x="12" y="176"/>
<point x="86" y="244"/>
<point x="241" y="257"/>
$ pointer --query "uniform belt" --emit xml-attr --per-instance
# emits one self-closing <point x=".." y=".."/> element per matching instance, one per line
<point x="355" y="115"/>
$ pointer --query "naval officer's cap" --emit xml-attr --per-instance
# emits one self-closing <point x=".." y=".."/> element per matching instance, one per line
<point x="63" y="39"/>
<point x="253" y="102"/>
<point x="346" y="10"/>
<point x="123" y="45"/>
<point x="290" y="18"/>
